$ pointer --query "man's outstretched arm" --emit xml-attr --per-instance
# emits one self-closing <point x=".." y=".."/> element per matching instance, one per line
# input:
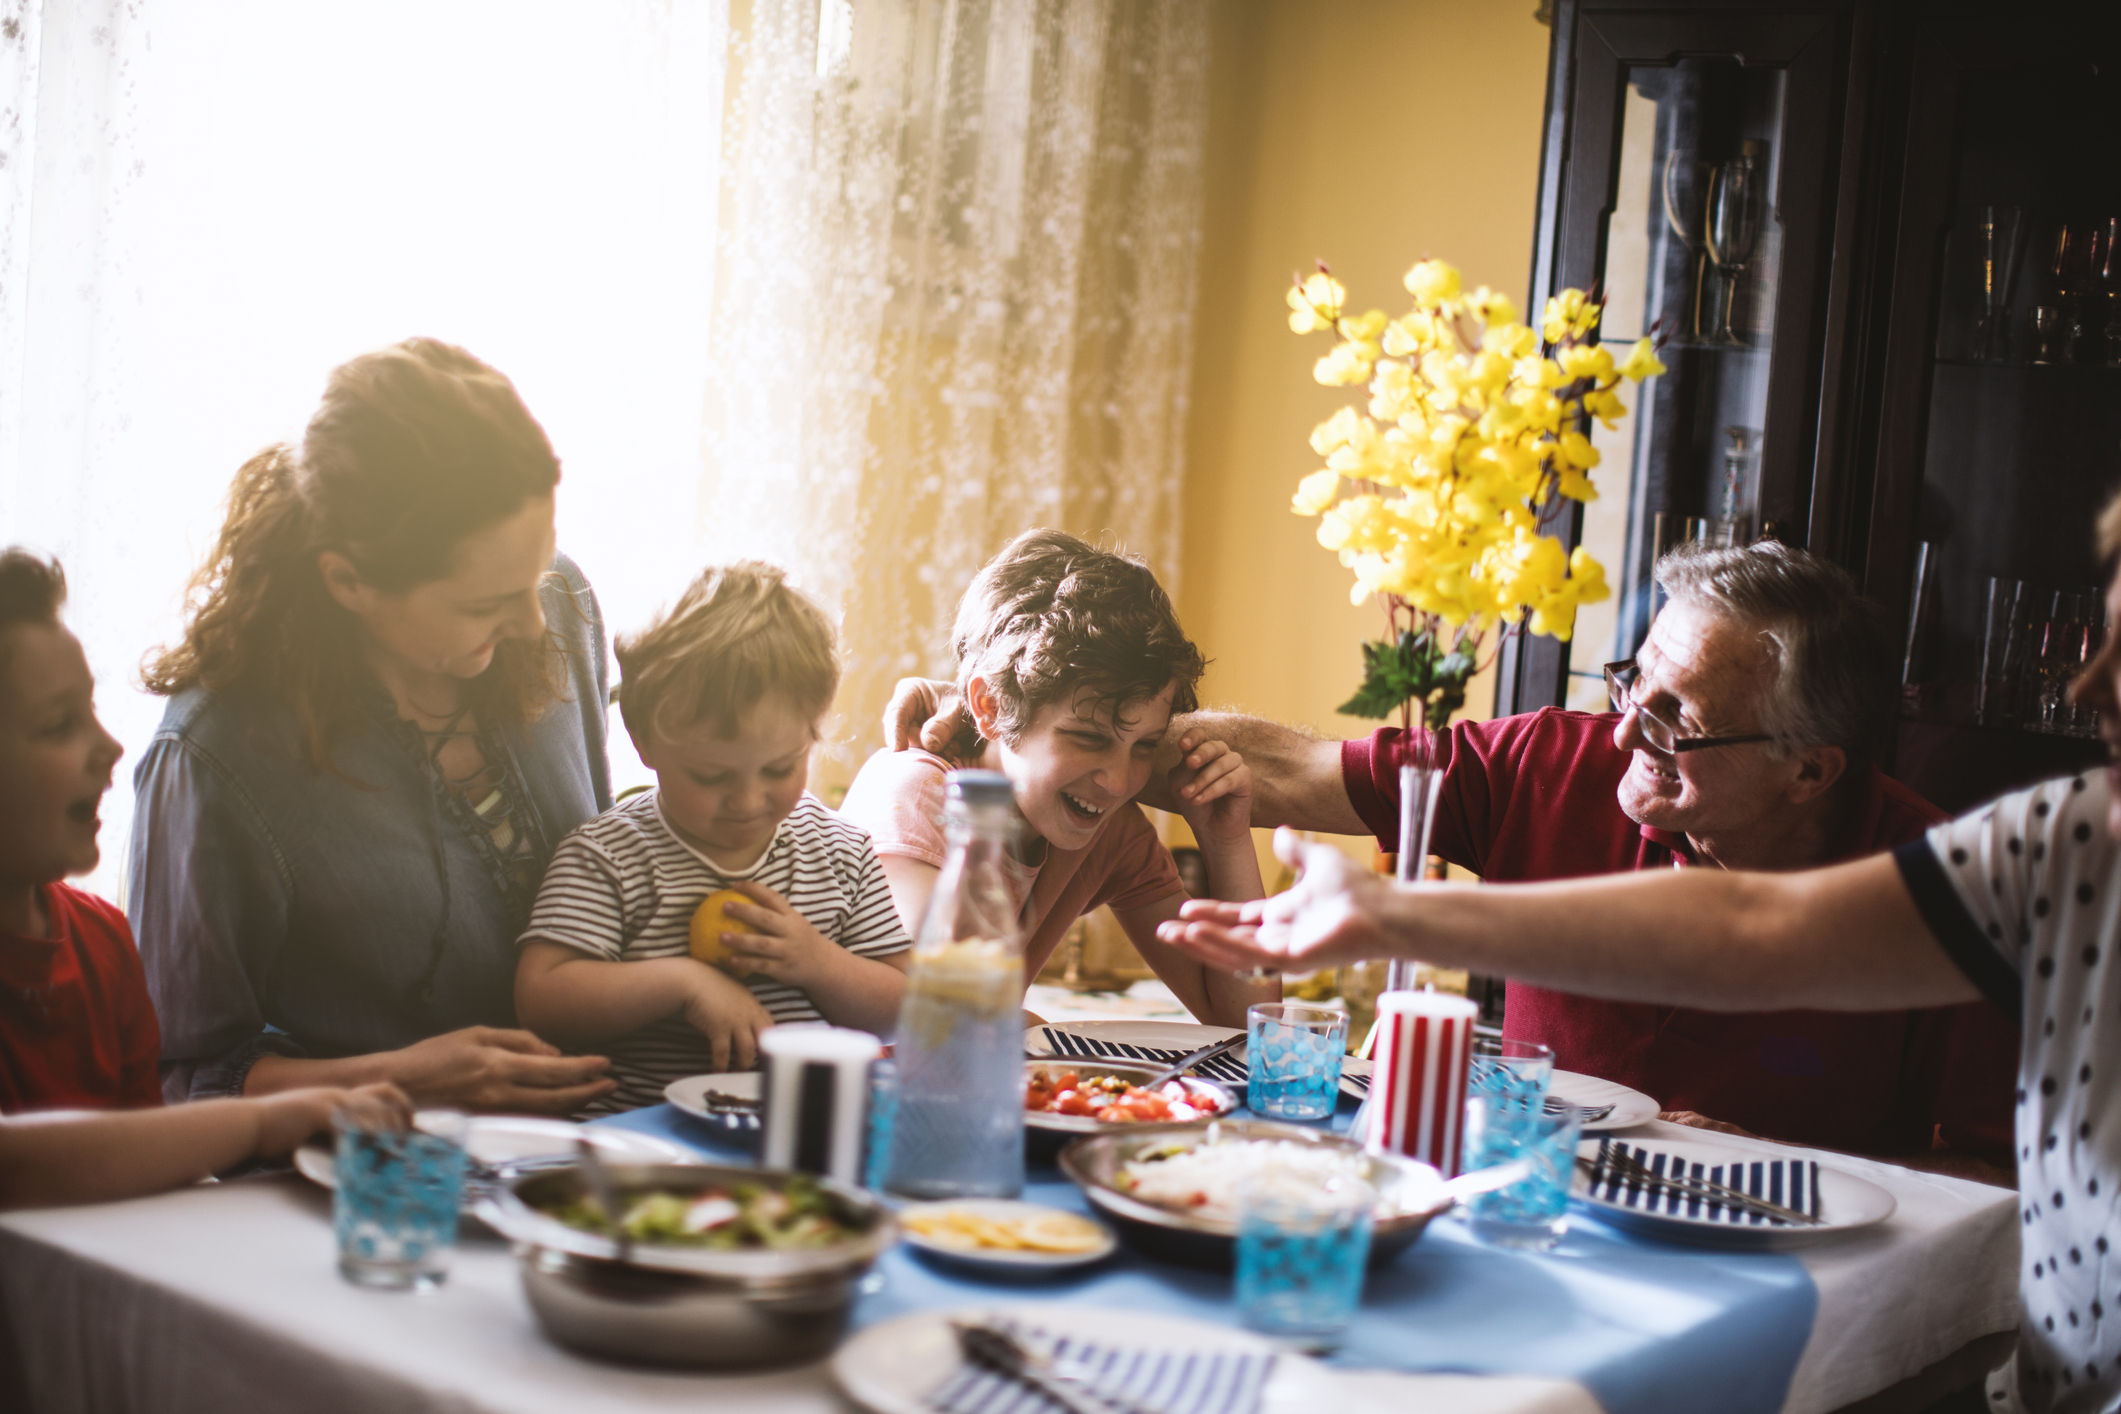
<point x="1295" y="776"/>
<point x="1846" y="938"/>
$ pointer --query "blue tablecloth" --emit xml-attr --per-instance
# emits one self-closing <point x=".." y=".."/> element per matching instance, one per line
<point x="1645" y="1326"/>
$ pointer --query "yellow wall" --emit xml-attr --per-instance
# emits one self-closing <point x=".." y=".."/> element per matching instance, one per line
<point x="1367" y="133"/>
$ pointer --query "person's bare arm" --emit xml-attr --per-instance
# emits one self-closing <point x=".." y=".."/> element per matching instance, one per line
<point x="482" y="1068"/>
<point x="50" y="1160"/>
<point x="849" y="989"/>
<point x="1845" y="938"/>
<point x="1295" y="776"/>
<point x="912" y="883"/>
<point x="1214" y="996"/>
<point x="586" y="1000"/>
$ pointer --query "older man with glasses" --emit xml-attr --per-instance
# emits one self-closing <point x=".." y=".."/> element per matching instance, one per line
<point x="1748" y="728"/>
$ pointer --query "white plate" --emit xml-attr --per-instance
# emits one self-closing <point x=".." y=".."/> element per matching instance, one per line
<point x="1630" y="1107"/>
<point x="1845" y="1202"/>
<point x="1179" y="1037"/>
<point x="690" y="1095"/>
<point x="1004" y="1209"/>
<point x="501" y="1139"/>
<point x="891" y="1367"/>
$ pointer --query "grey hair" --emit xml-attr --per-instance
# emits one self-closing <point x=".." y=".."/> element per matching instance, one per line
<point x="1833" y="648"/>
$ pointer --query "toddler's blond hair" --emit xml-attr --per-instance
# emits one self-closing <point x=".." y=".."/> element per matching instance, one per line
<point x="738" y="634"/>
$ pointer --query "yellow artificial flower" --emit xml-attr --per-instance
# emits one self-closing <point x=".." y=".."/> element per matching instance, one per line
<point x="1585" y="361"/>
<point x="1342" y="367"/>
<point x="1491" y="307"/>
<point x="1641" y="361"/>
<point x="1315" y="492"/>
<point x="1433" y="284"/>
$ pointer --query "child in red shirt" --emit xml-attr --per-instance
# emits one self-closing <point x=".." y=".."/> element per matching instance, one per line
<point x="77" y="1030"/>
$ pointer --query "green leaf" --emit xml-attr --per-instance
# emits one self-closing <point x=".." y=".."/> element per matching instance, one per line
<point x="1416" y="668"/>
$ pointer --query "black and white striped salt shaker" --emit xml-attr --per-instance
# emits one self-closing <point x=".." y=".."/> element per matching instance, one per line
<point x="816" y="1100"/>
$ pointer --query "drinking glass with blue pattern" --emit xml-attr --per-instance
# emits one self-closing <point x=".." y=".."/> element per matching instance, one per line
<point x="1515" y="1075"/>
<point x="1302" y="1247"/>
<point x="1530" y="1215"/>
<point x="399" y="1188"/>
<point x="1292" y="1059"/>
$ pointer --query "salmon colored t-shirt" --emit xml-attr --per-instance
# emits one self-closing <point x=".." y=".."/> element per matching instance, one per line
<point x="898" y="799"/>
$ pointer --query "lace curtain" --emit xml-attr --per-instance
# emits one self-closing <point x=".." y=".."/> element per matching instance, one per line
<point x="204" y="208"/>
<point x="955" y="298"/>
<point x="864" y="286"/>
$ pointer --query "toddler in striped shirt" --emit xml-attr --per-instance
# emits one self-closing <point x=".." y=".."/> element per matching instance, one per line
<point x="723" y="697"/>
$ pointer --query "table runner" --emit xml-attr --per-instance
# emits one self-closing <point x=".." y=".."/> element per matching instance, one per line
<point x="1645" y="1326"/>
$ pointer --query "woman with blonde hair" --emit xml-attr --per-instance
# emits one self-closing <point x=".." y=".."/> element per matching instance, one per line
<point x="386" y="709"/>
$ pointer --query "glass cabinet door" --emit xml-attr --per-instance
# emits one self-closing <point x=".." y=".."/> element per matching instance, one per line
<point x="1693" y="246"/>
<point x="2002" y="426"/>
<point x="1692" y="189"/>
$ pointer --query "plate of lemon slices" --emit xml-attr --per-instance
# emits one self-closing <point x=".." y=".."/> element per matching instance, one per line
<point x="1005" y="1233"/>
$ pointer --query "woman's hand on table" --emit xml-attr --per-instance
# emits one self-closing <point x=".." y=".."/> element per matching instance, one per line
<point x="500" y="1071"/>
<point x="724" y="1011"/>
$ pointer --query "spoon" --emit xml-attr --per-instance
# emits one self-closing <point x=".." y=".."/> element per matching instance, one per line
<point x="607" y="1195"/>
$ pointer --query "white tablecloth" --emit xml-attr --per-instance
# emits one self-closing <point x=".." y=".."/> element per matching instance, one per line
<point x="225" y="1297"/>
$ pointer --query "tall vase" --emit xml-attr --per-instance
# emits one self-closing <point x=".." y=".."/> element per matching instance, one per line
<point x="1420" y="781"/>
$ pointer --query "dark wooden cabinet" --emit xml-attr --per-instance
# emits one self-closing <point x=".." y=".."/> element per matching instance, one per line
<point x="1854" y="364"/>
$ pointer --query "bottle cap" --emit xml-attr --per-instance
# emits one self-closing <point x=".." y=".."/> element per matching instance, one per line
<point x="979" y="787"/>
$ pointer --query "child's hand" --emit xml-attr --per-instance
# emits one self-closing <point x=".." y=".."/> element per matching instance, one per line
<point x="782" y="944"/>
<point x="1213" y="786"/>
<point x="723" y="1010"/>
<point x="287" y="1119"/>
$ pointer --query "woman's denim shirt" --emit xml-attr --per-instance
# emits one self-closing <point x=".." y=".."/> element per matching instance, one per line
<point x="281" y="909"/>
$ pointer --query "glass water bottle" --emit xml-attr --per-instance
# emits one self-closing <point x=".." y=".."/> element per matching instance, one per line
<point x="959" y="1131"/>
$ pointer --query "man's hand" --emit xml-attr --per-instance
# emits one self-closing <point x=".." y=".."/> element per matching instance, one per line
<point x="506" y="1072"/>
<point x="782" y="944"/>
<point x="924" y="713"/>
<point x="724" y="1011"/>
<point x="287" y="1119"/>
<point x="1332" y="915"/>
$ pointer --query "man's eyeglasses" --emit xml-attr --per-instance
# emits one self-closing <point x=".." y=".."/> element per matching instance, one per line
<point x="1619" y="685"/>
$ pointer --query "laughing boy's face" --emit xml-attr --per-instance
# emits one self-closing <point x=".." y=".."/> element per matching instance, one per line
<point x="1079" y="761"/>
<point x="55" y="758"/>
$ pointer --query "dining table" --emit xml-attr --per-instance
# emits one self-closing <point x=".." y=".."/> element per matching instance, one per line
<point x="225" y="1295"/>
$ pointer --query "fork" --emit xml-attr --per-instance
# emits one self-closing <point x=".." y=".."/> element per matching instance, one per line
<point x="1637" y="1173"/>
<point x="993" y="1348"/>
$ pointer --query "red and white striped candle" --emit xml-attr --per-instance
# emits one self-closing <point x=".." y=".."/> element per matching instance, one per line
<point x="1418" y="1090"/>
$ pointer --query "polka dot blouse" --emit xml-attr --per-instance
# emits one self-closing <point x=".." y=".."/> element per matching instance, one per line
<point x="2026" y="896"/>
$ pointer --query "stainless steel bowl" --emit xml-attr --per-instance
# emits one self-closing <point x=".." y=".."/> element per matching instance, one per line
<point x="1045" y="1135"/>
<point x="1409" y="1194"/>
<point x="681" y="1305"/>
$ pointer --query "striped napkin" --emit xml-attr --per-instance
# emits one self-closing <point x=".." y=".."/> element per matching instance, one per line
<point x="1790" y="1183"/>
<point x="1225" y="1067"/>
<point x="1169" y="1381"/>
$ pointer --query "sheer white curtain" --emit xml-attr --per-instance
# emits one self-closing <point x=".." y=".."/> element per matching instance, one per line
<point x="955" y="297"/>
<point x="930" y="283"/>
<point x="207" y="206"/>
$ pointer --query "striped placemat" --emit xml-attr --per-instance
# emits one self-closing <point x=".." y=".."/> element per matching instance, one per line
<point x="1169" y="1381"/>
<point x="1789" y="1183"/>
<point x="1225" y="1067"/>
